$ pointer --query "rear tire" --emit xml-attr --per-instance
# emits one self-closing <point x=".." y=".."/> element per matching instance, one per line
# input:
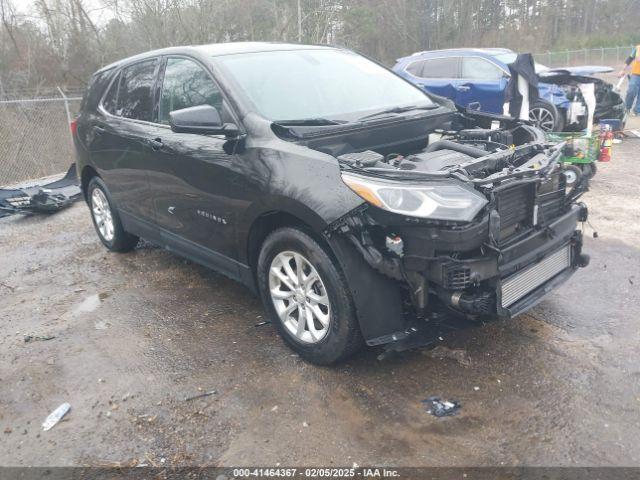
<point x="299" y="281"/>
<point x="106" y="219"/>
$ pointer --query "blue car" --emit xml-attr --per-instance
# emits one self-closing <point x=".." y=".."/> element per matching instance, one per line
<point x="476" y="78"/>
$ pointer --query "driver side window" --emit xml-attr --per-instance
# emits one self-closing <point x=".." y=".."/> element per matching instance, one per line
<point x="186" y="84"/>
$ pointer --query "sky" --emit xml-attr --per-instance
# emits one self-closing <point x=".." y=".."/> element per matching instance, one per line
<point x="99" y="14"/>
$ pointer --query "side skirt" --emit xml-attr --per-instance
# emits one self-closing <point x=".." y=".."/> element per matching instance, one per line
<point x="180" y="246"/>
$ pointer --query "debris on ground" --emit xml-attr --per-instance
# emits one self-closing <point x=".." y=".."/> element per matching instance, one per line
<point x="441" y="408"/>
<point x="38" y="338"/>
<point x="101" y="325"/>
<point x="440" y="352"/>
<point x="260" y="324"/>
<point x="47" y="198"/>
<point x="55" y="416"/>
<point x="200" y="395"/>
<point x="8" y="430"/>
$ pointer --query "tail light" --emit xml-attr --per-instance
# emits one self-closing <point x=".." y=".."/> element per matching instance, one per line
<point x="74" y="126"/>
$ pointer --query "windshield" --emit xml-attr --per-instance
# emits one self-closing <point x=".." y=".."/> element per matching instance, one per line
<point x="320" y="83"/>
<point x="510" y="57"/>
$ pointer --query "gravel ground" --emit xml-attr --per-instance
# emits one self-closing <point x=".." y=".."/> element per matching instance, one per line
<point x="135" y="334"/>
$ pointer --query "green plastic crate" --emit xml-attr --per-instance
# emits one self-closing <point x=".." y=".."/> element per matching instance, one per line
<point x="583" y="148"/>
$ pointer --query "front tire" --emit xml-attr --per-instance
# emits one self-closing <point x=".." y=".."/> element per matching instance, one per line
<point x="307" y="298"/>
<point x="545" y="116"/>
<point x="106" y="219"/>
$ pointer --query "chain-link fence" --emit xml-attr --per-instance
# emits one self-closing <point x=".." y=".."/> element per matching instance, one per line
<point x="608" y="56"/>
<point x="35" y="139"/>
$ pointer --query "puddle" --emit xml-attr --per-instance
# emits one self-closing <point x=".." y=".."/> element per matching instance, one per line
<point x="90" y="303"/>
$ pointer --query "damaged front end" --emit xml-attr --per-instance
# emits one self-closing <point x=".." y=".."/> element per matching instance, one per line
<point x="566" y="83"/>
<point x="481" y="222"/>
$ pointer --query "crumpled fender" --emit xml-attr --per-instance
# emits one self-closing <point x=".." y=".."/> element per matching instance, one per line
<point x="377" y="298"/>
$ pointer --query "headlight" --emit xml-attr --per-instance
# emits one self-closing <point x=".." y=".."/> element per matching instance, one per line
<point x="439" y="201"/>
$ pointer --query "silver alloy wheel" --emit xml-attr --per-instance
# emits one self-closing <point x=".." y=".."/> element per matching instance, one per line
<point x="299" y="297"/>
<point x="542" y="118"/>
<point x="102" y="214"/>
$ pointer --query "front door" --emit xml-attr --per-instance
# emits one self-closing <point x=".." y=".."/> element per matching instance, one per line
<point x="192" y="179"/>
<point x="481" y="86"/>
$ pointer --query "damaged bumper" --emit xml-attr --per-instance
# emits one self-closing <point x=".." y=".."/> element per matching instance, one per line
<point x="46" y="198"/>
<point x="507" y="281"/>
<point x="455" y="270"/>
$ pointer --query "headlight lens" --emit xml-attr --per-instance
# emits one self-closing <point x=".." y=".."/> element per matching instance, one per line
<point x="438" y="201"/>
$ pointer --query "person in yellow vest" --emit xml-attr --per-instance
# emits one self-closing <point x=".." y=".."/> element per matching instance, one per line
<point x="632" y="65"/>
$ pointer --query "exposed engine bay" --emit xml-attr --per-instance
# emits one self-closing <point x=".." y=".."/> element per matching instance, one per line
<point x="474" y="216"/>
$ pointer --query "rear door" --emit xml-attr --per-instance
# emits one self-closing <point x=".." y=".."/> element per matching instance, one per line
<point x="436" y="75"/>
<point x="120" y="149"/>
<point x="482" y="85"/>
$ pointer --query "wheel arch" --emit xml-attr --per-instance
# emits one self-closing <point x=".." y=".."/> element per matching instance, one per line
<point x="379" y="315"/>
<point x="270" y="221"/>
<point x="88" y="172"/>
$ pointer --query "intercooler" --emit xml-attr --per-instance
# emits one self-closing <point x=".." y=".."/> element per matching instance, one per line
<point x="520" y="284"/>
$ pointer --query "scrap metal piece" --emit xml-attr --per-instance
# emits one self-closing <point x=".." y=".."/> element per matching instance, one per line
<point x="441" y="408"/>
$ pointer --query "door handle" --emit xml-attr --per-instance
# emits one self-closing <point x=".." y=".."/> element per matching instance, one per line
<point x="155" y="144"/>
<point x="463" y="88"/>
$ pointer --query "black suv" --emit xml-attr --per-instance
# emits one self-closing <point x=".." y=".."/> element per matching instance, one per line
<point x="357" y="206"/>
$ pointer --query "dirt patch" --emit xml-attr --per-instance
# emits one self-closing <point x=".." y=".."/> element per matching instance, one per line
<point x="136" y="334"/>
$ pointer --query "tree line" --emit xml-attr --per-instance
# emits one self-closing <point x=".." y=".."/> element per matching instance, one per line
<point x="61" y="42"/>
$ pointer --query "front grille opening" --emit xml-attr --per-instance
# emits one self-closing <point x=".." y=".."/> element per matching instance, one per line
<point x="457" y="277"/>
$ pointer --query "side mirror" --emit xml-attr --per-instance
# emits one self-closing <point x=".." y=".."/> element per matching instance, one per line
<point x="202" y="119"/>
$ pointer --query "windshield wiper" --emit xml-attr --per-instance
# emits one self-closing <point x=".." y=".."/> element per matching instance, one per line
<point x="310" y="122"/>
<point x="399" y="110"/>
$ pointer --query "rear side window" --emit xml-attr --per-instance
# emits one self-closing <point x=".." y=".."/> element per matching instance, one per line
<point x="186" y="84"/>
<point x="110" y="101"/>
<point x="135" y="95"/>
<point x="480" y="69"/>
<point x="416" y="68"/>
<point x="95" y="90"/>
<point x="435" y="68"/>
